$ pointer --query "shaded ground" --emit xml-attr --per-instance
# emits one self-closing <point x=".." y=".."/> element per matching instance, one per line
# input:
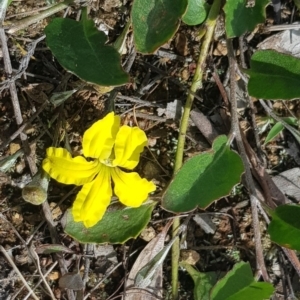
<point x="156" y="82"/>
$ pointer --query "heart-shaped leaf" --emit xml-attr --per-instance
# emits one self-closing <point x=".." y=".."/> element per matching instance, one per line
<point x="118" y="225"/>
<point x="196" y="12"/>
<point x="284" y="228"/>
<point x="204" y="178"/>
<point x="80" y="48"/>
<point x="155" y="22"/>
<point x="243" y="16"/>
<point x="239" y="284"/>
<point x="274" y="75"/>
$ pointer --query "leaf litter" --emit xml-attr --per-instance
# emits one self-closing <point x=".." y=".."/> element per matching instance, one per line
<point x="228" y="239"/>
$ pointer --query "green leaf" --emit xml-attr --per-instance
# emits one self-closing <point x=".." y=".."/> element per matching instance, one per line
<point x="240" y="17"/>
<point x="275" y="130"/>
<point x="239" y="284"/>
<point x="58" y="98"/>
<point x="297" y="3"/>
<point x="291" y="121"/>
<point x="284" y="228"/>
<point x="274" y="75"/>
<point x="204" y="178"/>
<point x="196" y="12"/>
<point x="116" y="227"/>
<point x="256" y="290"/>
<point x="203" y="282"/>
<point x="8" y="162"/>
<point x="278" y="127"/>
<point x="235" y="280"/>
<point x="80" y="48"/>
<point x="155" y="22"/>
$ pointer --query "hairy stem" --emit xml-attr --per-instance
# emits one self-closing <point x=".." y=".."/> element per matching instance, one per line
<point x="196" y="84"/>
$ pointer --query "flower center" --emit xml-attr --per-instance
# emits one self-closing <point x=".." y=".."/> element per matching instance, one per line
<point x="108" y="162"/>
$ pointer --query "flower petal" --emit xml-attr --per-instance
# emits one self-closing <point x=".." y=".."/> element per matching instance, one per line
<point x="131" y="189"/>
<point x="130" y="142"/>
<point x="93" y="199"/>
<point x="61" y="166"/>
<point x="99" y="139"/>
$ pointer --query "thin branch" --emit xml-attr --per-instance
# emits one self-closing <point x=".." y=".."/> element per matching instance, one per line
<point x="22" y="127"/>
<point x="40" y="281"/>
<point x="36" y="258"/>
<point x="87" y="262"/>
<point x="24" y="62"/>
<point x="251" y="104"/>
<point x="18" y="272"/>
<point x="278" y="119"/>
<point x="106" y="276"/>
<point x="15" y="102"/>
<point x="3" y="7"/>
<point x="25" y="22"/>
<point x="55" y="240"/>
<point x="281" y="27"/>
<point x="250" y="183"/>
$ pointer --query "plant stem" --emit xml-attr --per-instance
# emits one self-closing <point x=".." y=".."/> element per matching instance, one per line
<point x="196" y="84"/>
<point x="25" y="22"/>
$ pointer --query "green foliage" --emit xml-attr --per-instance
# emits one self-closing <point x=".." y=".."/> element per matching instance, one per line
<point x="80" y="48"/>
<point x="278" y="127"/>
<point x="241" y="17"/>
<point x="196" y="12"/>
<point x="274" y="75"/>
<point x="155" y="22"/>
<point x="239" y="284"/>
<point x="9" y="161"/>
<point x="59" y="98"/>
<point x="284" y="228"/>
<point x="204" y="178"/>
<point x="204" y="282"/>
<point x="116" y="227"/>
<point x="275" y="130"/>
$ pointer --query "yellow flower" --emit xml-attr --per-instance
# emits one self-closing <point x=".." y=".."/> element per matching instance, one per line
<point x="110" y="146"/>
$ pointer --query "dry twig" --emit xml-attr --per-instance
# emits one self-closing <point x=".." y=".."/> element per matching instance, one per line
<point x="18" y="272"/>
<point x="250" y="183"/>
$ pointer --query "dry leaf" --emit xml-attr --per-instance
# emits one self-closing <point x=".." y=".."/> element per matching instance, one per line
<point x="205" y="222"/>
<point x="172" y="111"/>
<point x="71" y="281"/>
<point x="13" y="148"/>
<point x="287" y="42"/>
<point x="38" y="92"/>
<point x="154" y="290"/>
<point x="148" y="234"/>
<point x="190" y="257"/>
<point x="289" y="184"/>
